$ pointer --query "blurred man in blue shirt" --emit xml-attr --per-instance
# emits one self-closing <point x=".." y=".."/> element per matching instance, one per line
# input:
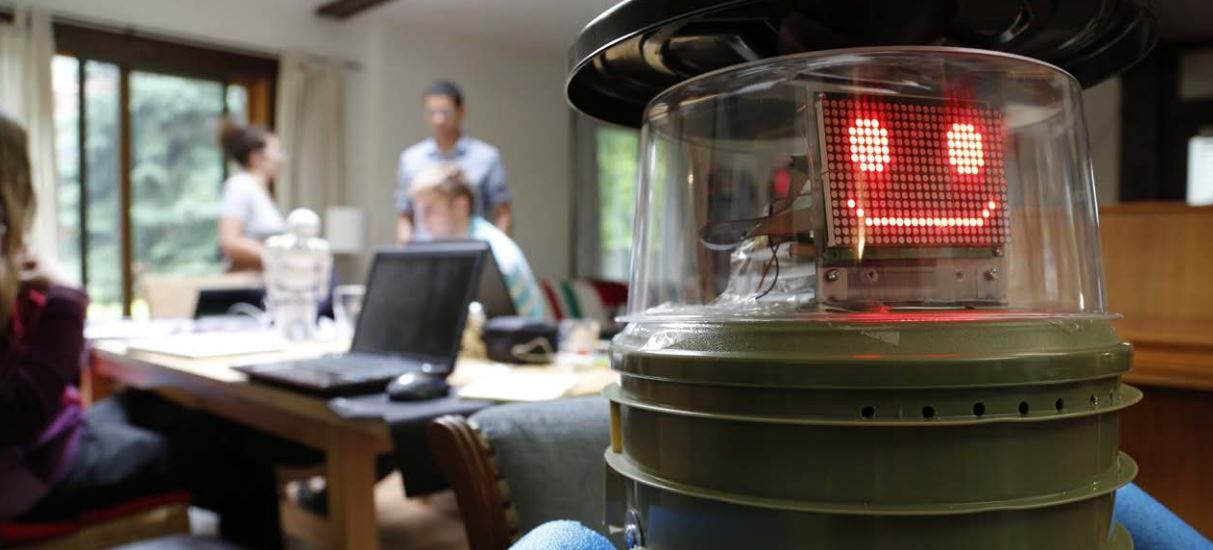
<point x="442" y="199"/>
<point x="479" y="161"/>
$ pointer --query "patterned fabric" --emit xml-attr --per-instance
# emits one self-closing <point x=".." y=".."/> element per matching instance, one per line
<point x="590" y="303"/>
<point x="555" y="311"/>
<point x="572" y="303"/>
<point x="584" y="299"/>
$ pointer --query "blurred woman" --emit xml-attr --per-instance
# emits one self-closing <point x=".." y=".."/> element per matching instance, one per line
<point x="57" y="459"/>
<point x="247" y="213"/>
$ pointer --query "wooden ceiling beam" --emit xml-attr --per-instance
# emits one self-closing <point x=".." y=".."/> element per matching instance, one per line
<point x="345" y="9"/>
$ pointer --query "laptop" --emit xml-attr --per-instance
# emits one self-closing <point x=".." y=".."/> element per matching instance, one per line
<point x="493" y="292"/>
<point x="412" y="320"/>
<point x="220" y="302"/>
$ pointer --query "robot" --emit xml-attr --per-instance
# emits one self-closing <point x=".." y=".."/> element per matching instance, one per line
<point x="298" y="265"/>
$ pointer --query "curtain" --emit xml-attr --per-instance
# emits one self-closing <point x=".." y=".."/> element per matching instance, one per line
<point x="310" y="124"/>
<point x="27" y="47"/>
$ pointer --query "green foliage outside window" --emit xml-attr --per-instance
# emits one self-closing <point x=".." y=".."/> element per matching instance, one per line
<point x="617" y="150"/>
<point x="176" y="175"/>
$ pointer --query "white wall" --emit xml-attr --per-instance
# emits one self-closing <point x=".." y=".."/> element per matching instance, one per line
<point x="1102" y="107"/>
<point x="515" y="98"/>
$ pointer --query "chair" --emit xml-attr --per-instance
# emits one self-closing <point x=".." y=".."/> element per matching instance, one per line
<point x="514" y="467"/>
<point x="143" y="518"/>
<point x="171" y="296"/>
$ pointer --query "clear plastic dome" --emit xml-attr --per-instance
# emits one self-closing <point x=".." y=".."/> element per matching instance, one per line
<point x="885" y="183"/>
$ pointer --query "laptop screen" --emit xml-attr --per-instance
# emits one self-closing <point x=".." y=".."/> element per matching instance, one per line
<point x="493" y="294"/>
<point x="214" y="302"/>
<point x="417" y="299"/>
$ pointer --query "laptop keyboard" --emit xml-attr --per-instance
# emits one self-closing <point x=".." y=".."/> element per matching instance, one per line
<point x="364" y="366"/>
<point x="338" y="374"/>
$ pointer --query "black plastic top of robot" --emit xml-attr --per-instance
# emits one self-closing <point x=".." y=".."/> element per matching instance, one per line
<point x="639" y="48"/>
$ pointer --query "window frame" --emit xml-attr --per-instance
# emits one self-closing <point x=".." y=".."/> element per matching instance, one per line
<point x="131" y="52"/>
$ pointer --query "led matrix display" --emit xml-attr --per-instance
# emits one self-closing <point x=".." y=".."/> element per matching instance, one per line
<point x="912" y="172"/>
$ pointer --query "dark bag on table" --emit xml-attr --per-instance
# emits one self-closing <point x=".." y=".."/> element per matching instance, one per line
<point x="519" y="340"/>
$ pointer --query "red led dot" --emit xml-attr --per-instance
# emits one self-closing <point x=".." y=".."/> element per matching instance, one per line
<point x="858" y="212"/>
<point x="870" y="148"/>
<point x="965" y="148"/>
<point x="850" y="203"/>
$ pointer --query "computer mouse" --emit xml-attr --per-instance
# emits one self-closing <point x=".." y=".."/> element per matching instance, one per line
<point x="415" y="386"/>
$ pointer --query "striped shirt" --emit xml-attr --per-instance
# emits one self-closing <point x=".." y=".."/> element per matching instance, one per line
<point x="523" y="287"/>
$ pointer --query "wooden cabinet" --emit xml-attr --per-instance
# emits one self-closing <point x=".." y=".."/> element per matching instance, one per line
<point x="1158" y="268"/>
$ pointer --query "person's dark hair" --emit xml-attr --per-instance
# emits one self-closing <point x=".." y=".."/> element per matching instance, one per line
<point x="446" y="88"/>
<point x="238" y="142"/>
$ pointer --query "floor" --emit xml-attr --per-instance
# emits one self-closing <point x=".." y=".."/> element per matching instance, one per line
<point x="429" y="523"/>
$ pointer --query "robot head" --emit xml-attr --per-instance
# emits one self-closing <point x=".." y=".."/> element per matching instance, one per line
<point x="303" y="223"/>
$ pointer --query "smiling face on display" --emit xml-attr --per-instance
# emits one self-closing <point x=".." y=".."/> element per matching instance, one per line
<point x="913" y="172"/>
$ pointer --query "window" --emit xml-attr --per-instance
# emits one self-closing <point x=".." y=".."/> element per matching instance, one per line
<point x="617" y="153"/>
<point x="1200" y="169"/>
<point x="86" y="126"/>
<point x="140" y="170"/>
<point x="176" y="172"/>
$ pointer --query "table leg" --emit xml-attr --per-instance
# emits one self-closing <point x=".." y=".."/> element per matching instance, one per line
<point x="95" y="386"/>
<point x="350" y="472"/>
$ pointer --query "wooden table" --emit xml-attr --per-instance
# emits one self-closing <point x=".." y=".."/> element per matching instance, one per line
<point x="350" y="446"/>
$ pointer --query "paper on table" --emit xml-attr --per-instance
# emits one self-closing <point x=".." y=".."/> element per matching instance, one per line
<point x="211" y="344"/>
<point x="517" y="384"/>
<point x="125" y="329"/>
